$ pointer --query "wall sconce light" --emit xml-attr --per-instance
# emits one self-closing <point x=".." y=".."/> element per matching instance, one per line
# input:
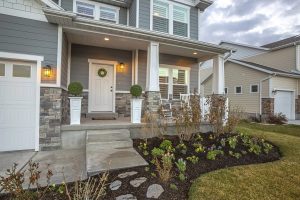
<point x="121" y="67"/>
<point x="47" y="71"/>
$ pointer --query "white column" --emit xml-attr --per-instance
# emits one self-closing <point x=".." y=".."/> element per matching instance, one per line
<point x="218" y="75"/>
<point x="298" y="57"/>
<point x="152" y="80"/>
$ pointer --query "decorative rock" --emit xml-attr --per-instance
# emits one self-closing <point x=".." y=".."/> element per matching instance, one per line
<point x="154" y="191"/>
<point x="138" y="181"/>
<point x="126" y="174"/>
<point x="115" y="185"/>
<point x="126" y="197"/>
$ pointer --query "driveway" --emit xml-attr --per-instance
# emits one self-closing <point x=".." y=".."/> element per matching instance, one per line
<point x="295" y="122"/>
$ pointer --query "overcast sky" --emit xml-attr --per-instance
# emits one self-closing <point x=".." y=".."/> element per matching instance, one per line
<point x="255" y="22"/>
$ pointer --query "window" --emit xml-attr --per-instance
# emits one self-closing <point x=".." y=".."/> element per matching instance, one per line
<point x="254" y="88"/>
<point x="97" y="11"/>
<point x="180" y="21"/>
<point x="173" y="82"/>
<point x="2" y="69"/>
<point x="109" y="14"/>
<point x="23" y="71"/>
<point x="238" y="90"/>
<point x="226" y="90"/>
<point x="160" y="16"/>
<point x="85" y="9"/>
<point x="170" y="17"/>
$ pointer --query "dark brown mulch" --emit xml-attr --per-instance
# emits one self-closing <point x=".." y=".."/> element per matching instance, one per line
<point x="193" y="170"/>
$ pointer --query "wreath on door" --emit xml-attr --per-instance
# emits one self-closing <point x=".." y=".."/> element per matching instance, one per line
<point x="102" y="72"/>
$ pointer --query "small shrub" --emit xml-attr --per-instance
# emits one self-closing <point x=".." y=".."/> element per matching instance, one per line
<point x="181" y="166"/>
<point x="198" y="138"/>
<point x="136" y="91"/>
<point x="236" y="155"/>
<point x="182" y="148"/>
<point x="267" y="147"/>
<point x="277" y="119"/>
<point x="232" y="141"/>
<point x="199" y="148"/>
<point x="173" y="186"/>
<point x="235" y="115"/>
<point x="223" y="142"/>
<point x="144" y="148"/>
<point x="193" y="159"/>
<point x="157" y="152"/>
<point x="164" y="166"/>
<point x="255" y="148"/>
<point x="167" y="146"/>
<point x="212" y="154"/>
<point x="75" y="88"/>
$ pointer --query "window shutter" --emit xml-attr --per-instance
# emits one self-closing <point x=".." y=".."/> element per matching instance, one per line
<point x="85" y="9"/>
<point x="180" y="23"/>
<point x="160" y="16"/>
<point x="109" y="14"/>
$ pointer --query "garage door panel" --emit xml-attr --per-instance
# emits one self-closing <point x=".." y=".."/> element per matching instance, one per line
<point x="283" y="103"/>
<point x="21" y="138"/>
<point x="12" y="116"/>
<point x="17" y="93"/>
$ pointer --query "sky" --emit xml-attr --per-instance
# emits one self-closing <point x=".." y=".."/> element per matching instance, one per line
<point x="254" y="22"/>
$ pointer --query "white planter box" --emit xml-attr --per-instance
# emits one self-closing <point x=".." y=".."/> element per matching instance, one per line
<point x="136" y="110"/>
<point x="75" y="110"/>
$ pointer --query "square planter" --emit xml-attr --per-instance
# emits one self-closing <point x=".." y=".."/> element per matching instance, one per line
<point x="75" y="110"/>
<point x="136" y="110"/>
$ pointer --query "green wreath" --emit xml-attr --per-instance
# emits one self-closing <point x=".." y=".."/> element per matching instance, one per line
<point x="102" y="72"/>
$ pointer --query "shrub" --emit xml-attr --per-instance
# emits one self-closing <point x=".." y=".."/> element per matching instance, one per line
<point x="136" y="90"/>
<point x="75" y="88"/>
<point x="173" y="186"/>
<point x="157" y="152"/>
<point x="181" y="166"/>
<point x="236" y="155"/>
<point x="164" y="166"/>
<point x="166" y="145"/>
<point x="277" y="119"/>
<point x="182" y="147"/>
<point x="235" y="115"/>
<point x="193" y="159"/>
<point x="144" y="147"/>
<point x="232" y="141"/>
<point x="199" y="148"/>
<point x="267" y="147"/>
<point x="211" y="155"/>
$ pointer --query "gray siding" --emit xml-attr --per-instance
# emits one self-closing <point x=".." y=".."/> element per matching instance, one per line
<point x="142" y="69"/>
<point x="67" y="4"/>
<point x="123" y="16"/>
<point x="144" y="18"/>
<point x="80" y="66"/>
<point x="20" y="35"/>
<point x="64" y="61"/>
<point x="194" y="23"/>
<point x="132" y="14"/>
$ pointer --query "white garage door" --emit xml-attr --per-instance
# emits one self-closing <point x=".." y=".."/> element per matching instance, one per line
<point x="284" y="101"/>
<point x="17" y="105"/>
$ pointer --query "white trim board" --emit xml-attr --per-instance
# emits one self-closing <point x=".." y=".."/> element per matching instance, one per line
<point x="38" y="60"/>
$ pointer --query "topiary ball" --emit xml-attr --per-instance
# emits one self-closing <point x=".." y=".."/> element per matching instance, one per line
<point x="136" y="90"/>
<point x="75" y="88"/>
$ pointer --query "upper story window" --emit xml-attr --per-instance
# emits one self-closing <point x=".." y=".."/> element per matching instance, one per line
<point x="169" y="17"/>
<point x="97" y="11"/>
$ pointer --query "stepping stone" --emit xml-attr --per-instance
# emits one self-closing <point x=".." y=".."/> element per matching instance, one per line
<point x="138" y="181"/>
<point x="127" y="174"/>
<point x="126" y="197"/>
<point x="154" y="191"/>
<point x="115" y="185"/>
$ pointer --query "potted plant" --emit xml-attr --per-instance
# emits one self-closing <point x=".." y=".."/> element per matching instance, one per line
<point x="136" y="103"/>
<point x="75" y="89"/>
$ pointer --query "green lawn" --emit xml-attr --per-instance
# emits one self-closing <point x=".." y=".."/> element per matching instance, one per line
<point x="276" y="180"/>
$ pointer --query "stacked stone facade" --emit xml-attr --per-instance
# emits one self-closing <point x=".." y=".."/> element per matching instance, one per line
<point x="298" y="107"/>
<point x="267" y="105"/>
<point x="152" y="101"/>
<point x="84" y="103"/>
<point x="123" y="104"/>
<point x="50" y="118"/>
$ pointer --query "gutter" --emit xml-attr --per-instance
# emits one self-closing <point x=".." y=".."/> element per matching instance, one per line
<point x="260" y="90"/>
<point x="286" y="45"/>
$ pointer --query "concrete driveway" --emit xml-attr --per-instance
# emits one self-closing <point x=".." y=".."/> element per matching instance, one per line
<point x="295" y="122"/>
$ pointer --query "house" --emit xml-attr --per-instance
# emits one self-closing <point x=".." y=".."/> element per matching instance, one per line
<point x="45" y="45"/>
<point x="263" y="80"/>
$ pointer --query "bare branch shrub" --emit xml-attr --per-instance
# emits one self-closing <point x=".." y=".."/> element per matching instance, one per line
<point x="235" y="115"/>
<point x="216" y="113"/>
<point x="164" y="166"/>
<point x="151" y="124"/>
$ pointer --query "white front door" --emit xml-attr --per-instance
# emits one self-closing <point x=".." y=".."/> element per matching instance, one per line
<point x="17" y="105"/>
<point x="101" y="89"/>
<point x="283" y="103"/>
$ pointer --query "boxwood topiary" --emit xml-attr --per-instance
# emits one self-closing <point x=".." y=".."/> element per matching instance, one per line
<point x="75" y="88"/>
<point x="136" y="90"/>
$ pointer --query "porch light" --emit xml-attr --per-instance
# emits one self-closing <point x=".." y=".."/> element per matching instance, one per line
<point x="121" y="67"/>
<point x="106" y="39"/>
<point x="195" y="53"/>
<point x="47" y="71"/>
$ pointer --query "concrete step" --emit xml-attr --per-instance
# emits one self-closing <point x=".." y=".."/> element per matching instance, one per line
<point x="111" y="144"/>
<point x="99" y="160"/>
<point x="102" y="115"/>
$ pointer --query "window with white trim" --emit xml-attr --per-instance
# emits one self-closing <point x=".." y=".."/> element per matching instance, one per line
<point x="170" y="17"/>
<point x="97" y="11"/>
<point x="173" y="81"/>
<point x="238" y="90"/>
<point x="254" y="88"/>
<point x="2" y="69"/>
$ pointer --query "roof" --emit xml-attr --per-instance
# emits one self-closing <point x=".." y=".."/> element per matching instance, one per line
<point x="243" y="45"/>
<point x="262" y="68"/>
<point x="283" y="42"/>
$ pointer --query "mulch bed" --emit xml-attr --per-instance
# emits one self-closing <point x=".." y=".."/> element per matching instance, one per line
<point x="193" y="170"/>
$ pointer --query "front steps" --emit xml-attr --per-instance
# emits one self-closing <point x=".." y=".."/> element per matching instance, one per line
<point x="109" y="150"/>
<point x="102" y="115"/>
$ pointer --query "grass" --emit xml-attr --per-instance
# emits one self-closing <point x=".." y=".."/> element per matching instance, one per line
<point x="288" y="129"/>
<point x="276" y="180"/>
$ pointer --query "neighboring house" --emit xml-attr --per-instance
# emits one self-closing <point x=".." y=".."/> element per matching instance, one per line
<point x="268" y="82"/>
<point x="45" y="45"/>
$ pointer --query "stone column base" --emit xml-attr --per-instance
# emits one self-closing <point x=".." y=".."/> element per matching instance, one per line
<point x="297" y="106"/>
<point x="267" y="106"/>
<point x="152" y="101"/>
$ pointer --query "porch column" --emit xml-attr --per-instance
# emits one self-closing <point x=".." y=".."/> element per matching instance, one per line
<point x="218" y="83"/>
<point x="152" y="94"/>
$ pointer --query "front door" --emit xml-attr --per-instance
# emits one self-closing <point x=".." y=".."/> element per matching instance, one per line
<point x="101" y="90"/>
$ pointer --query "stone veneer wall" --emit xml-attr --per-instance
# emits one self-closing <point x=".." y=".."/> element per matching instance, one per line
<point x="84" y="103"/>
<point x="65" y="108"/>
<point x="152" y="101"/>
<point x="123" y="105"/>
<point x="267" y="106"/>
<point x="298" y="107"/>
<point x="51" y="118"/>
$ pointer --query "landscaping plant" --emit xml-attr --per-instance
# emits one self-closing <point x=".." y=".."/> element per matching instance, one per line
<point x="182" y="148"/>
<point x="164" y="166"/>
<point x="232" y="141"/>
<point x="193" y="159"/>
<point x="212" y="154"/>
<point x="181" y="166"/>
<point x="75" y="88"/>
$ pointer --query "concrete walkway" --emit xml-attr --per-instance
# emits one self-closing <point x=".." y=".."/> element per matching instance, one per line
<point x="295" y="122"/>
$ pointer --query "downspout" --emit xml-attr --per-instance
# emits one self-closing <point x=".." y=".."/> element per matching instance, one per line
<point x="260" y="90"/>
<point x="228" y="56"/>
